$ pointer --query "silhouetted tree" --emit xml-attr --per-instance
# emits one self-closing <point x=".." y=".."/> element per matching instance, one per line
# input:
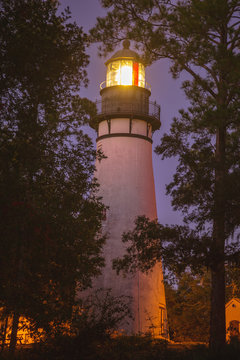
<point x="50" y="215"/>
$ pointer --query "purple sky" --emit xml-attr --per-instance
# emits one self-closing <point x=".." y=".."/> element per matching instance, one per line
<point x="165" y="91"/>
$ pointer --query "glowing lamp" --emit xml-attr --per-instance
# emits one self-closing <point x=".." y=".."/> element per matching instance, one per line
<point x="126" y="75"/>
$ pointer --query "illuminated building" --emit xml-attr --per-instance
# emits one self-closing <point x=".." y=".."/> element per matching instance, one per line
<point x="232" y="309"/>
<point x="124" y="124"/>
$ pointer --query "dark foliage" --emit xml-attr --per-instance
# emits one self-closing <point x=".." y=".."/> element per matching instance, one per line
<point x="50" y="215"/>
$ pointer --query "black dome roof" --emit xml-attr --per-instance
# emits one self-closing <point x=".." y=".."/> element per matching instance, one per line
<point x="124" y="53"/>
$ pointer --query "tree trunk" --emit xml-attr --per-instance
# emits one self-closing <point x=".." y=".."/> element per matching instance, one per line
<point x="13" y="341"/>
<point x="4" y="334"/>
<point x="217" y="321"/>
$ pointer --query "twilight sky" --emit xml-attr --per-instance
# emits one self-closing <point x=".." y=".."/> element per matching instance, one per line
<point x="166" y="91"/>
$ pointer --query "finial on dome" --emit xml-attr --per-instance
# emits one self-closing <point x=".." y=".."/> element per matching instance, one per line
<point x="126" y="44"/>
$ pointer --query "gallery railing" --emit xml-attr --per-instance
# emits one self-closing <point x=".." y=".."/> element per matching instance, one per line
<point x="110" y="107"/>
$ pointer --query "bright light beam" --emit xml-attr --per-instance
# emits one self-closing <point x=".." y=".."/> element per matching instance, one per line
<point x="126" y="75"/>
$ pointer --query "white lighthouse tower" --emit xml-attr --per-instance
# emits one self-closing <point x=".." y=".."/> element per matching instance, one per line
<point x="124" y="124"/>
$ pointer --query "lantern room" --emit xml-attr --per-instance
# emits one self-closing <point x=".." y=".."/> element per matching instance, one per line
<point x="125" y="72"/>
<point x="125" y="68"/>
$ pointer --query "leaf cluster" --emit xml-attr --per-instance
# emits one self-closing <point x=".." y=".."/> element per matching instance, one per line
<point x="188" y="304"/>
<point x="177" y="246"/>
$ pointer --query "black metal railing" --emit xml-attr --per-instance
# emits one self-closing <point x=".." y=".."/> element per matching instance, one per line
<point x="108" y="107"/>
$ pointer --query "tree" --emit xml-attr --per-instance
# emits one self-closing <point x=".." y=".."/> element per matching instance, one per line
<point x="232" y="282"/>
<point x="201" y="38"/>
<point x="188" y="307"/>
<point x="50" y="214"/>
<point x="188" y="302"/>
<point x="94" y="320"/>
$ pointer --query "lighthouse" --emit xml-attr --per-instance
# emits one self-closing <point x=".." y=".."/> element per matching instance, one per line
<point x="125" y="122"/>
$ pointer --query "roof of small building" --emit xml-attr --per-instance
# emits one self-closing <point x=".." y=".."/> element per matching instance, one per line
<point x="233" y="300"/>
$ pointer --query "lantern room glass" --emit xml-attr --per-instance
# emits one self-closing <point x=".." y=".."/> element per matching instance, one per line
<point x="125" y="72"/>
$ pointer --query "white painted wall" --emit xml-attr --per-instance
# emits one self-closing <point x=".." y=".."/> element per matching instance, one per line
<point x="121" y="125"/>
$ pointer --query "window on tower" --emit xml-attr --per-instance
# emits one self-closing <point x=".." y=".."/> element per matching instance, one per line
<point x="141" y="75"/>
